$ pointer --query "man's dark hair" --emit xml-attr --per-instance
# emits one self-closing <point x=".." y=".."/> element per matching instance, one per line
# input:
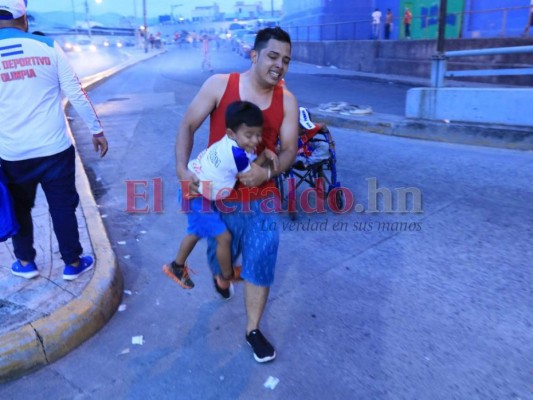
<point x="7" y="21"/>
<point x="243" y="112"/>
<point x="264" y="35"/>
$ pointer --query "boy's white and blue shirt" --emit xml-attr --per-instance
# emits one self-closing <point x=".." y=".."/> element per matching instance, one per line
<point x="218" y="166"/>
<point x="34" y="74"/>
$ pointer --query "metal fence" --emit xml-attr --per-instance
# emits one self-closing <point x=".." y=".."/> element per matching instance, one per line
<point x="499" y="22"/>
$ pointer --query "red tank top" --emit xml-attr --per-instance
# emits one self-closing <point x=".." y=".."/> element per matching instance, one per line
<point x="272" y="117"/>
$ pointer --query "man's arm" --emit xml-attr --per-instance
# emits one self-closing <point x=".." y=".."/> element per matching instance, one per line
<point x="204" y="102"/>
<point x="73" y="90"/>
<point x="289" y="132"/>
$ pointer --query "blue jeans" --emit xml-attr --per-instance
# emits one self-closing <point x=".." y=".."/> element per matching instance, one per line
<point x="56" y="174"/>
<point x="255" y="236"/>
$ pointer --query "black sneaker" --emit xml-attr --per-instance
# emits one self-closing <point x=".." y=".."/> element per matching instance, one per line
<point x="225" y="293"/>
<point x="263" y="350"/>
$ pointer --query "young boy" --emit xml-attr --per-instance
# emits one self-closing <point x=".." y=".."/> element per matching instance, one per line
<point x="217" y="168"/>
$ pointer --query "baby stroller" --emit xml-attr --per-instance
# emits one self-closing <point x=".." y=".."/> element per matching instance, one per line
<point x="315" y="165"/>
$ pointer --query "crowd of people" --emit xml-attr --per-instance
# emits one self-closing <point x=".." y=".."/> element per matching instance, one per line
<point x="376" y="17"/>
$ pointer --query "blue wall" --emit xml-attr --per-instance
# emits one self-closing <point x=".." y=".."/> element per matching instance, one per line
<point x="497" y="23"/>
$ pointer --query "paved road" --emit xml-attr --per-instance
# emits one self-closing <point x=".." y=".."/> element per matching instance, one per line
<point x="360" y="309"/>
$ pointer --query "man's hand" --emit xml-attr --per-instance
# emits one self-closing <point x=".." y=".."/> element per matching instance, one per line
<point x="100" y="144"/>
<point x="273" y="159"/>
<point x="255" y="177"/>
<point x="186" y="175"/>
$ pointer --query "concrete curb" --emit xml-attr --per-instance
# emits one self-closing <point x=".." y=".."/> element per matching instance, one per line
<point x="489" y="135"/>
<point x="47" y="339"/>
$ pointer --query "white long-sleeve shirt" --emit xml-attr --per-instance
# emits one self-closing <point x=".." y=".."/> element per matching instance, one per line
<point x="34" y="72"/>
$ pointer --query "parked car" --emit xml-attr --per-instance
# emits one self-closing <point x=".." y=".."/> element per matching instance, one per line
<point x="247" y="44"/>
<point x="85" y="45"/>
<point x="236" y="37"/>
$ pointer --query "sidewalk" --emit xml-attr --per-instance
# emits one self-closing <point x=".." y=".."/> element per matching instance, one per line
<point x="43" y="319"/>
<point x="490" y="135"/>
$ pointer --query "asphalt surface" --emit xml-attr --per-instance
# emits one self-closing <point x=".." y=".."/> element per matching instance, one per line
<point x="385" y="305"/>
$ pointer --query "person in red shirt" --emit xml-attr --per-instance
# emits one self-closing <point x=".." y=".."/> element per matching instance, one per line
<point x="407" y="19"/>
<point x="206" y="56"/>
<point x="245" y="216"/>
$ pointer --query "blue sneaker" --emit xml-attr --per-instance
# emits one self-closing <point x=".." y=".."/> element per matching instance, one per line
<point x="71" y="272"/>
<point x="27" y="271"/>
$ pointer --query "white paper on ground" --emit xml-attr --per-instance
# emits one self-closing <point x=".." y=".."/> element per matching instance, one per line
<point x="137" y="340"/>
<point x="271" y="383"/>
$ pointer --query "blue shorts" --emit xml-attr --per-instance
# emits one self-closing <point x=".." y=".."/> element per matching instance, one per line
<point x="255" y="236"/>
<point x="203" y="220"/>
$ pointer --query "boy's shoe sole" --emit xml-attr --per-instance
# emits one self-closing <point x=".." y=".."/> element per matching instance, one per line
<point x="28" y="271"/>
<point x="237" y="274"/>
<point x="167" y="270"/>
<point x="227" y="293"/>
<point x="71" y="272"/>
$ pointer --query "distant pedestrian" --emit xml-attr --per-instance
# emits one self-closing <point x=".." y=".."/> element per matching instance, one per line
<point x="35" y="146"/>
<point x="530" y="21"/>
<point x="376" y="23"/>
<point x="388" y="23"/>
<point x="407" y="19"/>
<point x="206" y="55"/>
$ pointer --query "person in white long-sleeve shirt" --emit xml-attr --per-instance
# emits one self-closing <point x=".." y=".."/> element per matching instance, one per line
<point x="35" y="147"/>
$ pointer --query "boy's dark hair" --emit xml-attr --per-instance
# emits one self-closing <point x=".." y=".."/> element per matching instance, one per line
<point x="243" y="112"/>
<point x="264" y="35"/>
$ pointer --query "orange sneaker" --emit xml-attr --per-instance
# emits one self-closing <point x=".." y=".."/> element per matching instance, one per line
<point x="180" y="275"/>
<point x="237" y="273"/>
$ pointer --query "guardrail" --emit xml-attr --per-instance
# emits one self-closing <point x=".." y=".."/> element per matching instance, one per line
<point x="439" y="64"/>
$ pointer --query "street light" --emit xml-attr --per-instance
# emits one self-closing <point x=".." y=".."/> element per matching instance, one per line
<point x="145" y="28"/>
<point x="88" y="19"/>
<point x="172" y="7"/>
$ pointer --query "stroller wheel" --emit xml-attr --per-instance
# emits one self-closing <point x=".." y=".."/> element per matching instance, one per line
<point x="325" y="182"/>
<point x="287" y="193"/>
<point x="339" y="199"/>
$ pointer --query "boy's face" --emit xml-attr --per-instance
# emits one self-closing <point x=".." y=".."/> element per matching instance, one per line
<point x="247" y="137"/>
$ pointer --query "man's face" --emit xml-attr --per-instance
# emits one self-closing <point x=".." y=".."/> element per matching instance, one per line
<point x="272" y="62"/>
